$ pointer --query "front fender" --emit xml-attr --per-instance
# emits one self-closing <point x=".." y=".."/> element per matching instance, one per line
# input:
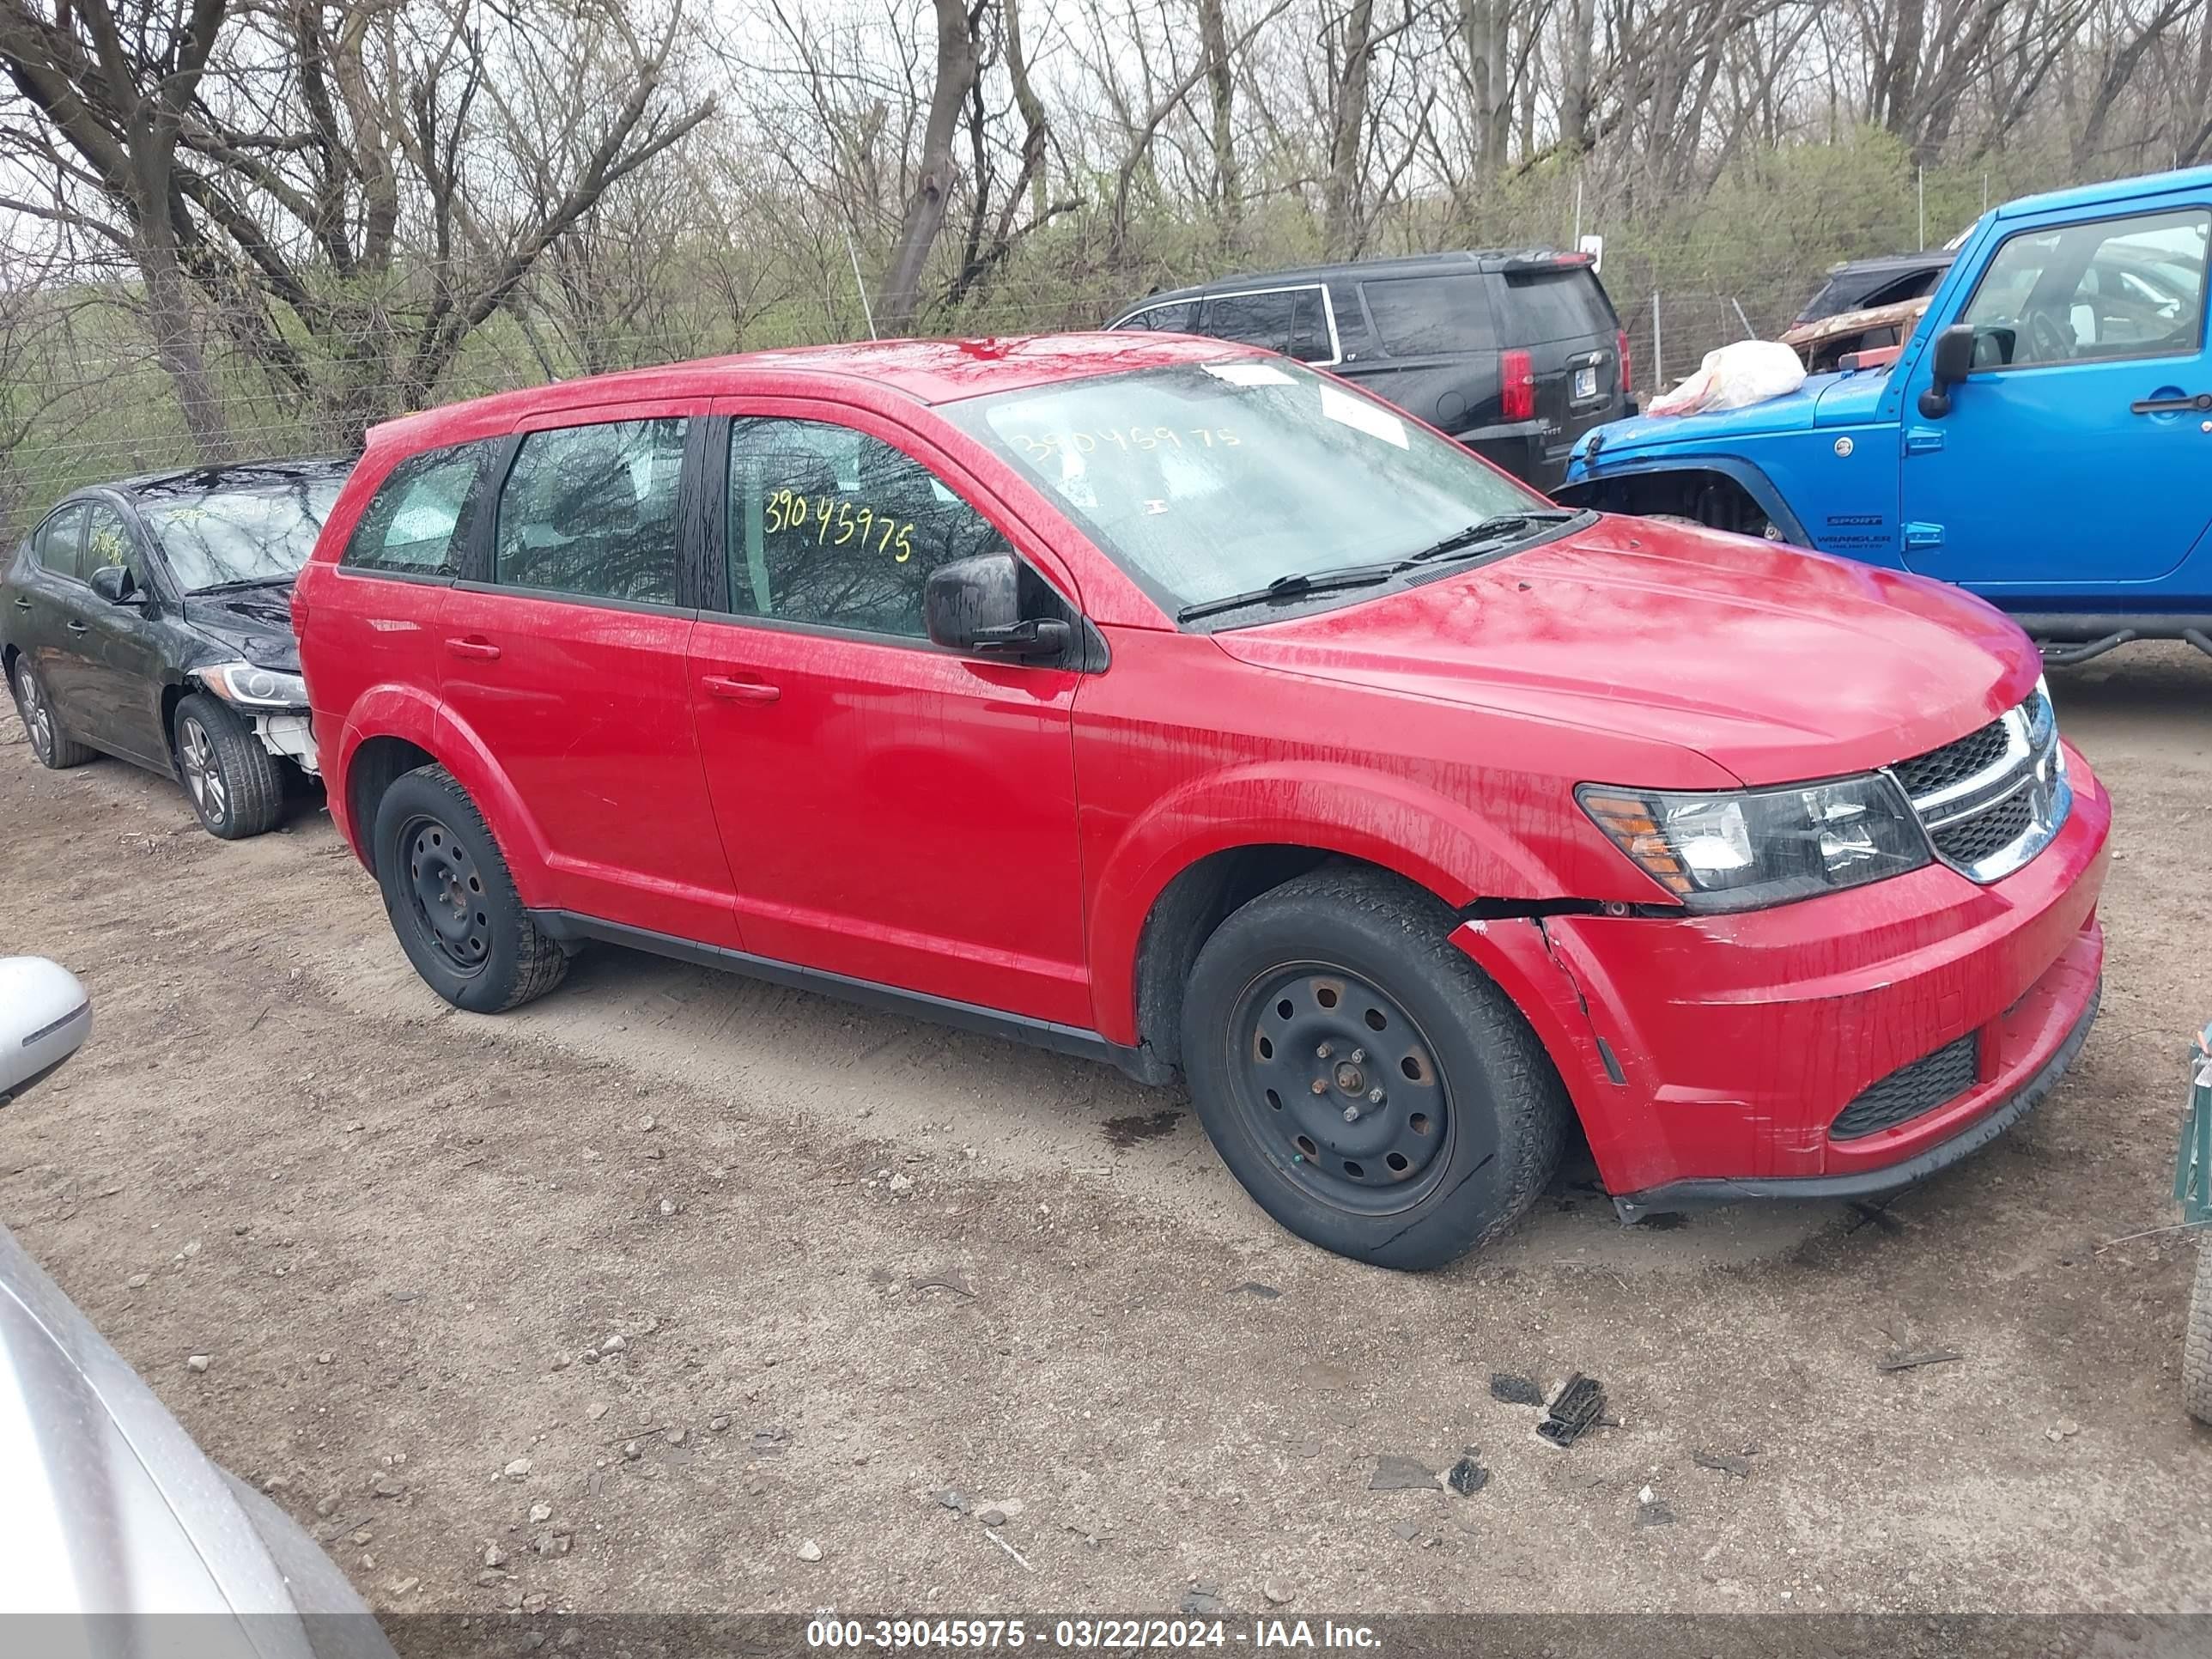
<point x="1587" y="486"/>
<point x="1435" y="842"/>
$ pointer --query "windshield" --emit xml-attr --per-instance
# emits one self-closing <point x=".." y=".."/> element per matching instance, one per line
<point x="1208" y="481"/>
<point x="263" y="534"/>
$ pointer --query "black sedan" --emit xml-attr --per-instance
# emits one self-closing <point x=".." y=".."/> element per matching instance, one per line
<point x="151" y="620"/>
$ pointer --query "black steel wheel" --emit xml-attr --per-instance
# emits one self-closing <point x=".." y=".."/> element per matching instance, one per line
<point x="451" y="900"/>
<point x="446" y="891"/>
<point x="1346" y="1084"/>
<point x="1372" y="1089"/>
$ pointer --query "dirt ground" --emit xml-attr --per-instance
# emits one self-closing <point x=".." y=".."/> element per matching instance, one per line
<point x="403" y="1235"/>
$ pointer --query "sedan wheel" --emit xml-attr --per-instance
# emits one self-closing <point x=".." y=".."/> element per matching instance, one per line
<point x="48" y="742"/>
<point x="202" y="776"/>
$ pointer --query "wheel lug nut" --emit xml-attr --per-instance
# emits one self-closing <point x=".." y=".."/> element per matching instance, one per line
<point x="1359" y="1056"/>
<point x="1321" y="1085"/>
<point x="1323" y="1052"/>
<point x="1352" y="1115"/>
<point x="1374" y="1096"/>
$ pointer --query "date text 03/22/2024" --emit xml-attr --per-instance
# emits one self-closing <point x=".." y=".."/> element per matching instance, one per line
<point x="1087" y="1635"/>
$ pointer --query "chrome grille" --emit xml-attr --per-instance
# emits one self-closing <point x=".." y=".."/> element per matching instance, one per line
<point x="1994" y="799"/>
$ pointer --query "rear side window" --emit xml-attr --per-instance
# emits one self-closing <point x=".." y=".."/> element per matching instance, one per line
<point x="60" y="538"/>
<point x="1544" y="306"/>
<point x="1428" y="316"/>
<point x="411" y="527"/>
<point x="837" y="529"/>
<point x="591" y="510"/>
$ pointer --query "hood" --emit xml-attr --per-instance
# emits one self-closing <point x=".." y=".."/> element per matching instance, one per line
<point x="1775" y="664"/>
<point x="253" y="622"/>
<point x="111" y="1508"/>
<point x="1823" y="400"/>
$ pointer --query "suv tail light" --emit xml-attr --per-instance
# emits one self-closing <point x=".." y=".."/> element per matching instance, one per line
<point x="1627" y="378"/>
<point x="1516" y="376"/>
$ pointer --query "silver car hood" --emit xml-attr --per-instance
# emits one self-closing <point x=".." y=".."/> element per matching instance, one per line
<point x="110" y="1508"/>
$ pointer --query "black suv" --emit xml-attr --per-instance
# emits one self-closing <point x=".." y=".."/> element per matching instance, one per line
<point x="1514" y="354"/>
<point x="151" y="619"/>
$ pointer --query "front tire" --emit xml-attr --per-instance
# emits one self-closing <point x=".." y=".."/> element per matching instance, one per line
<point x="55" y="748"/>
<point x="231" y="780"/>
<point x="1372" y="1089"/>
<point x="451" y="900"/>
<point x="2196" y="1339"/>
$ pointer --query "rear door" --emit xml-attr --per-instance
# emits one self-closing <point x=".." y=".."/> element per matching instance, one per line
<point x="49" y="620"/>
<point x="563" y="656"/>
<point x="1560" y="316"/>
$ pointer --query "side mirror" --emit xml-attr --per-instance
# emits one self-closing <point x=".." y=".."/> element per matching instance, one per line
<point x="44" y="1018"/>
<point x="115" y="584"/>
<point x="974" y="605"/>
<point x="1951" y="362"/>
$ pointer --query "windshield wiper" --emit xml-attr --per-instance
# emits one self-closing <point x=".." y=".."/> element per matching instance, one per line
<point x="1497" y="527"/>
<point x="1294" y="586"/>
<point x="243" y="582"/>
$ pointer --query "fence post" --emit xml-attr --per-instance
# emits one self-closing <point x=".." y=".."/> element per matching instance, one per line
<point x="1658" y="348"/>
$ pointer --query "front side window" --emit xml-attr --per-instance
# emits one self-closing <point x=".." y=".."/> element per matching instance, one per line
<point x="411" y="527"/>
<point x="1213" y="480"/>
<point x="61" y="541"/>
<point x="591" y="510"/>
<point x="833" y="528"/>
<point x="226" y="537"/>
<point x="2115" y="289"/>
<point x="107" y="541"/>
<point x="1176" y="317"/>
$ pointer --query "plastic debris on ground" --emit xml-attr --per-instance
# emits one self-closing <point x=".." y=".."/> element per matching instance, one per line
<point x="1577" y="1406"/>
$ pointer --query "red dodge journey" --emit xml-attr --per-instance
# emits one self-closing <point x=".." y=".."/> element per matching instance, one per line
<point x="1164" y="702"/>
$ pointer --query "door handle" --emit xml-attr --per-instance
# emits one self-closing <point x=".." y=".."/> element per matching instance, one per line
<point x="2184" y="404"/>
<point x="77" y="627"/>
<point x="22" y="603"/>
<point x="736" y="691"/>
<point x="474" y="649"/>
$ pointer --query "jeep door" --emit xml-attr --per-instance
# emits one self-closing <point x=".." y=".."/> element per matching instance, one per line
<point x="894" y="812"/>
<point x="2074" y="457"/>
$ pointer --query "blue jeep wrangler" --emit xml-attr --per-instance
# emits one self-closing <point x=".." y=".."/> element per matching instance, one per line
<point x="2044" y="438"/>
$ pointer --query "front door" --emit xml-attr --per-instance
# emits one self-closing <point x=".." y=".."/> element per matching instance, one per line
<point x="2072" y="458"/>
<point x="564" y="662"/>
<point x="118" y="675"/>
<point x="893" y="812"/>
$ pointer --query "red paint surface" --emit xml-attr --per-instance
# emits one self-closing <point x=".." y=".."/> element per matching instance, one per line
<point x="997" y="834"/>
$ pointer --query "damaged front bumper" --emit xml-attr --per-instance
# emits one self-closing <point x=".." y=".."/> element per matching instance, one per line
<point x="289" y="734"/>
<point x="1714" y="1058"/>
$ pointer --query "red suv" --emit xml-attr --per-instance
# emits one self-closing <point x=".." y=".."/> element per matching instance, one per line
<point x="1165" y="702"/>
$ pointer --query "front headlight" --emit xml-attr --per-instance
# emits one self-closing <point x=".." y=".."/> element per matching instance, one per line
<point x="256" y="687"/>
<point x="1744" y="849"/>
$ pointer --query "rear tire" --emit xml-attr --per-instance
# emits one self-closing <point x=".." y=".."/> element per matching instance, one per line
<point x="451" y="900"/>
<point x="231" y="781"/>
<point x="55" y="748"/>
<point x="1338" y="987"/>
<point x="2196" y="1338"/>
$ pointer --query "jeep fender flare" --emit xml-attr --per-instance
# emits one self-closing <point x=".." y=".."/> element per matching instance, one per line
<point x="1750" y="478"/>
<point x="1392" y="822"/>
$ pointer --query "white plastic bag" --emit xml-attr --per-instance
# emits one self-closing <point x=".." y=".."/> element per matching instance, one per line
<point x="1743" y="373"/>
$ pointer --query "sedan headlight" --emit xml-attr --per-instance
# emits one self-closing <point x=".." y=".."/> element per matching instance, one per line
<point x="1742" y="850"/>
<point x="256" y="687"/>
